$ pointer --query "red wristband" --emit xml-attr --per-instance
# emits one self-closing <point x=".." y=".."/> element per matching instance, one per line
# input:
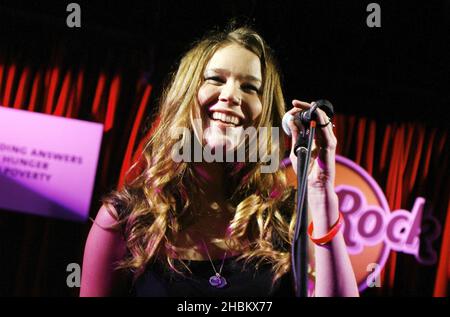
<point x="330" y="235"/>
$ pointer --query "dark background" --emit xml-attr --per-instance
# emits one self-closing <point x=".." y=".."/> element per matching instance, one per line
<point x="396" y="73"/>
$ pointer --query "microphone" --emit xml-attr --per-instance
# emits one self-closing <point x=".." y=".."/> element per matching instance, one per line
<point x="306" y="116"/>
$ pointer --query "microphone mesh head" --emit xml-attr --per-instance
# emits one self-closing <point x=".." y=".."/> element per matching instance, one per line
<point x="326" y="107"/>
<point x="286" y="118"/>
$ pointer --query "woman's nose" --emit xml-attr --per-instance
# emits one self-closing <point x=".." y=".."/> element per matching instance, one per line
<point x="230" y="94"/>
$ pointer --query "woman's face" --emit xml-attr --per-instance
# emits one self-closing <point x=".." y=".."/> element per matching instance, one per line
<point x="229" y="96"/>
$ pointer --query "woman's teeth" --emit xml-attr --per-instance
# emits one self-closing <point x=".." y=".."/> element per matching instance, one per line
<point x="225" y="118"/>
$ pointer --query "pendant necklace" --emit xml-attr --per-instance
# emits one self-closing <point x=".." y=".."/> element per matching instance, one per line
<point x="216" y="280"/>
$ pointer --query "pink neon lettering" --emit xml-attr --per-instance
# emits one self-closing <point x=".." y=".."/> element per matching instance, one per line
<point x="367" y="225"/>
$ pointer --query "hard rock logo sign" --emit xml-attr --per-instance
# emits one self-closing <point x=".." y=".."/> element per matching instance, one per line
<point x="371" y="230"/>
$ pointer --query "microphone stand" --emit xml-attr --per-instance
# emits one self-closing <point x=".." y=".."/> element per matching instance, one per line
<point x="299" y="248"/>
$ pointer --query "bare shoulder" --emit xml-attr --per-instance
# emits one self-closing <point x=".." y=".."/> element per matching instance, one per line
<point x="105" y="247"/>
<point x="107" y="215"/>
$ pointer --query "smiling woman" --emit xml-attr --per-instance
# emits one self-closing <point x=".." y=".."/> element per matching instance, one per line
<point x="197" y="228"/>
<point x="229" y="95"/>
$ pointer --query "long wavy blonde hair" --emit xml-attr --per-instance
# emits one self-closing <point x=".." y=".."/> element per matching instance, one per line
<point x="152" y="206"/>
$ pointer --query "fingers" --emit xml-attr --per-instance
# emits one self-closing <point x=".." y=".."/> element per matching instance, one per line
<point x="298" y="106"/>
<point x="325" y="140"/>
<point x="301" y="104"/>
<point x="327" y="130"/>
<point x="322" y="117"/>
<point x="324" y="136"/>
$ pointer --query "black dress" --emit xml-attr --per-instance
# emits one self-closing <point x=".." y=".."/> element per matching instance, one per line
<point x="158" y="281"/>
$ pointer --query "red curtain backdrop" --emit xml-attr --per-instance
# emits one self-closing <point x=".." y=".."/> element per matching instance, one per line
<point x="406" y="159"/>
<point x="35" y="245"/>
<point x="63" y="92"/>
<point x="441" y="287"/>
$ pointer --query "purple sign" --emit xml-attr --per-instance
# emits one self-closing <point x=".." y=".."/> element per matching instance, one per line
<point x="372" y="229"/>
<point x="47" y="163"/>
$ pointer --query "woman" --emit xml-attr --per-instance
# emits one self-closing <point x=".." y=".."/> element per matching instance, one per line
<point x="198" y="228"/>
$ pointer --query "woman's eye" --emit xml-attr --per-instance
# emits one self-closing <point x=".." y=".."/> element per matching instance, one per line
<point x="250" y="87"/>
<point x="214" y="79"/>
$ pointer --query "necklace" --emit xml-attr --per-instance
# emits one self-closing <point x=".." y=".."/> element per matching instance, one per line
<point x="216" y="280"/>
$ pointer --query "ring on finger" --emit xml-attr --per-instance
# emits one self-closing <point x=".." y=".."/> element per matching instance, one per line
<point x="324" y="125"/>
